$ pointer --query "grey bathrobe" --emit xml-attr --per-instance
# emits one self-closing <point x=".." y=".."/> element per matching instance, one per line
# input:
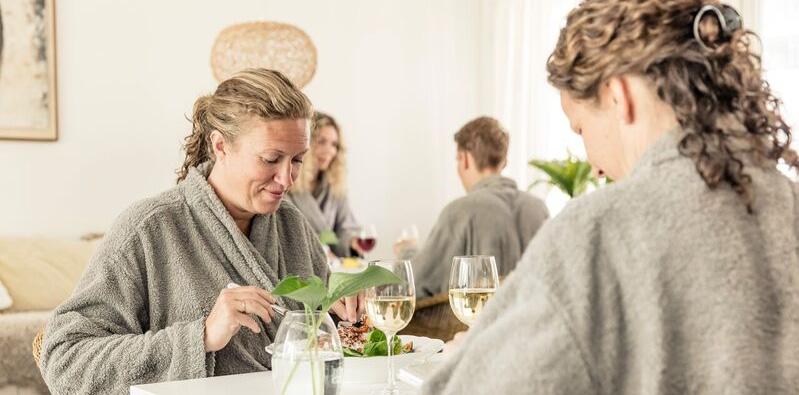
<point x="494" y="218"/>
<point x="328" y="212"/>
<point x="138" y="313"/>
<point x="654" y="285"/>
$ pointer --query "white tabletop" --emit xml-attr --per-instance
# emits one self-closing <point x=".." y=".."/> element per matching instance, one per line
<point x="250" y="383"/>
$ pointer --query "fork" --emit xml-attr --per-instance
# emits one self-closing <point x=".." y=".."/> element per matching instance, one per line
<point x="277" y="309"/>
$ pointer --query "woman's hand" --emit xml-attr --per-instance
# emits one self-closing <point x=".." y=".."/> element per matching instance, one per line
<point x="232" y="310"/>
<point x="350" y="308"/>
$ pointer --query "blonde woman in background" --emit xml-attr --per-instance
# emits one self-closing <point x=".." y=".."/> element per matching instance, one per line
<point x="321" y="188"/>
<point x="153" y="304"/>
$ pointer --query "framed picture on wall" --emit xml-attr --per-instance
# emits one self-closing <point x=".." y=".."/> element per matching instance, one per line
<point x="27" y="70"/>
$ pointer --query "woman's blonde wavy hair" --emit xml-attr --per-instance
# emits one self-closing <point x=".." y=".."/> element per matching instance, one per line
<point x="337" y="172"/>
<point x="726" y="108"/>
<point x="253" y="93"/>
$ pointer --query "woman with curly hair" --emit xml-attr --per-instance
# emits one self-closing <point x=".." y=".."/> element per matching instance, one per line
<point x="681" y="278"/>
<point x="321" y="188"/>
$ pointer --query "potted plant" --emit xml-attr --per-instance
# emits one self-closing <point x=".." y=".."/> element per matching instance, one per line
<point x="307" y="354"/>
<point x="571" y="176"/>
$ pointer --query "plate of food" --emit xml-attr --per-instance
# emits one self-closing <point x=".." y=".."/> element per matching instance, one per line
<point x="365" y="352"/>
<point x="348" y="265"/>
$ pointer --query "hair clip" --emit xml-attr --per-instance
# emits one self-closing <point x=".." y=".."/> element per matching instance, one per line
<point x="729" y="19"/>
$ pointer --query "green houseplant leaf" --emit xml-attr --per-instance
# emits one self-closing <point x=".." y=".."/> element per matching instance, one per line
<point x="582" y="177"/>
<point x="328" y="237"/>
<point x="572" y="175"/>
<point x="347" y="284"/>
<point x="556" y="172"/>
<point x="314" y="295"/>
<point x="311" y="291"/>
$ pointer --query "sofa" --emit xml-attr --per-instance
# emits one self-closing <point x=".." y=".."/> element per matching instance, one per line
<point x="36" y="275"/>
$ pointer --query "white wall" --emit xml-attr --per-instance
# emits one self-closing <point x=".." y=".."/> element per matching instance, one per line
<point x="400" y="76"/>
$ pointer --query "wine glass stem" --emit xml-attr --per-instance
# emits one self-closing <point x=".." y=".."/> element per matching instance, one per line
<point x="392" y="382"/>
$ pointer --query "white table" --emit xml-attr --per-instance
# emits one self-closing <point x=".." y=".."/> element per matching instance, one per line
<point x="250" y="383"/>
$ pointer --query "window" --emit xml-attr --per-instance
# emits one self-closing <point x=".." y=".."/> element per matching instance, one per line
<point x="776" y="25"/>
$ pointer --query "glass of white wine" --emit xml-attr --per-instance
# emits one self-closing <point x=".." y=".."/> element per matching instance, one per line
<point x="390" y="307"/>
<point x="473" y="280"/>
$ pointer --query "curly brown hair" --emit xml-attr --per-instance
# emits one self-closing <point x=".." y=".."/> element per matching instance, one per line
<point x="251" y="93"/>
<point x="727" y="111"/>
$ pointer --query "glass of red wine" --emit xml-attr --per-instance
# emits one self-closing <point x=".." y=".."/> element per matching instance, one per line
<point x="366" y="239"/>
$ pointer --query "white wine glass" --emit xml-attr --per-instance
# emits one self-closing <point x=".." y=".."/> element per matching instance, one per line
<point x="390" y="307"/>
<point x="409" y="234"/>
<point x="408" y="242"/>
<point x="473" y="280"/>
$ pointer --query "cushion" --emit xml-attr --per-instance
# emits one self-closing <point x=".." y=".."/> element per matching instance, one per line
<point x="40" y="273"/>
<point x="5" y="298"/>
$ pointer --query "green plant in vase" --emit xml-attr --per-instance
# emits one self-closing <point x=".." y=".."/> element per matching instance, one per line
<point x="317" y="299"/>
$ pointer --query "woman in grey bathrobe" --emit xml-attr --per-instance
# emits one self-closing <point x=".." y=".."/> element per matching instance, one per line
<point x="153" y="304"/>
<point x="681" y="278"/>
<point x="321" y="188"/>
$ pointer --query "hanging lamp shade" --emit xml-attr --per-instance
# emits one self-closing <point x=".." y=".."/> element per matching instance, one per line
<point x="271" y="45"/>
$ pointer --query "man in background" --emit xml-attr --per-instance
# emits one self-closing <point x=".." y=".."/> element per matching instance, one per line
<point x="494" y="218"/>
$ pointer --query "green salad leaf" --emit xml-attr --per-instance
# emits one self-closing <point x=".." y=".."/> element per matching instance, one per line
<point x="375" y="346"/>
<point x="311" y="291"/>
